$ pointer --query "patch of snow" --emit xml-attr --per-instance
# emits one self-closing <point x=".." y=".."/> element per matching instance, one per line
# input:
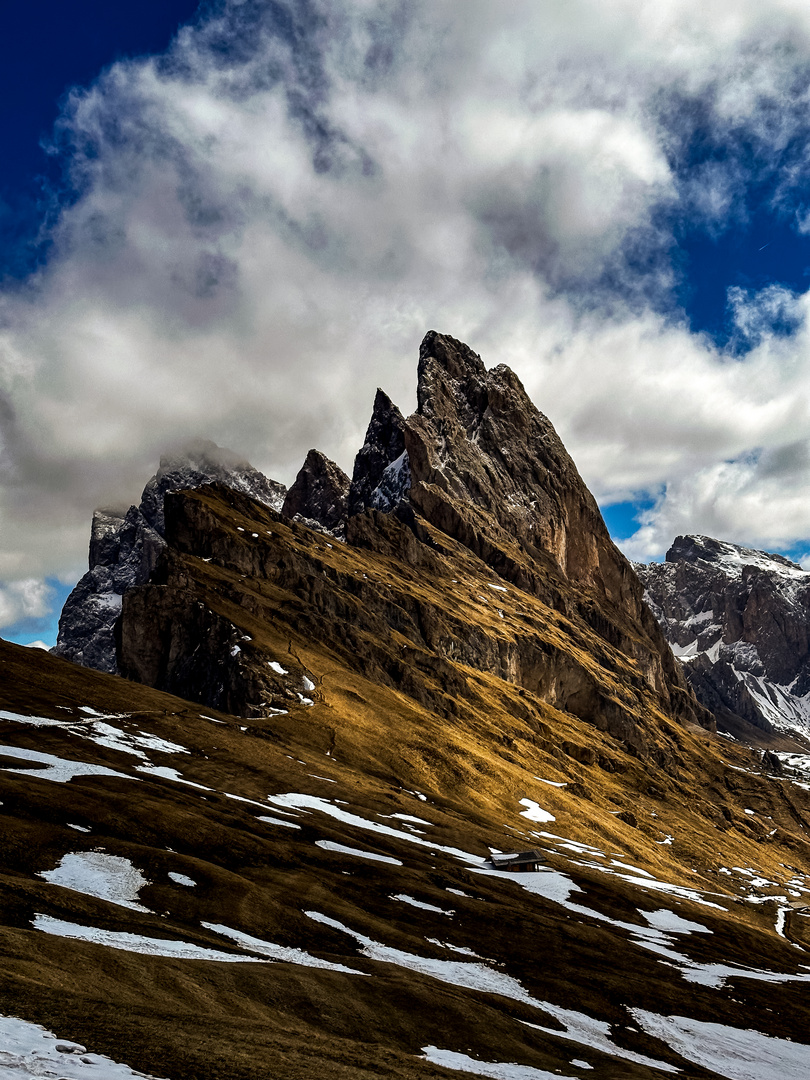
<point x="450" y="1059"/>
<point x="635" y="869"/>
<point x="595" y="1034"/>
<point x="453" y="948"/>
<point x="280" y="953"/>
<point x="28" y="1050"/>
<point x="498" y="588"/>
<point x="553" y="783"/>
<point x="455" y="972"/>
<point x="57" y="770"/>
<point x="403" y="899"/>
<point x="550" y="884"/>
<point x="137" y="943"/>
<point x="407" y="818"/>
<point x="734" y="1053"/>
<point x="684" y="652"/>
<point x="278" y="821"/>
<point x="342" y="849"/>
<point x="669" y="922"/>
<point x="534" y="812"/>
<point x="181" y="879"/>
<point x="166" y="773"/>
<point x="309" y="685"/>
<point x="296" y="801"/>
<point x="279" y="670"/>
<point x="94" y="873"/>
<point x="79" y="828"/>
<point x="97" y="730"/>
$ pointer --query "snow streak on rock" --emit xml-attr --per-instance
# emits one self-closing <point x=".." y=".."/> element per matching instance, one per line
<point x="739" y="621"/>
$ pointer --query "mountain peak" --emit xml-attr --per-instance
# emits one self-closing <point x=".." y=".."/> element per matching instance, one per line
<point x="729" y="557"/>
<point x="383" y="446"/>
<point x="737" y="619"/>
<point x="445" y="362"/>
<point x="124" y="547"/>
<point x="319" y="495"/>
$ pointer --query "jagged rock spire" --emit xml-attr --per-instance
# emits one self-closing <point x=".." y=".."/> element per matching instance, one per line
<point x="375" y="483"/>
<point x="319" y="494"/>
<point x="488" y="467"/>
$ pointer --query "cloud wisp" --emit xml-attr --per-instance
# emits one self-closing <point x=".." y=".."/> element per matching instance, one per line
<point x="264" y="222"/>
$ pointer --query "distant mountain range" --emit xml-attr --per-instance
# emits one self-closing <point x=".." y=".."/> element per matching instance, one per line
<point x="266" y="853"/>
<point x="739" y="621"/>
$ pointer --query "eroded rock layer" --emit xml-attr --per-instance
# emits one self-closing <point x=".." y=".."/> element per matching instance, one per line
<point x="124" y="547"/>
<point x="492" y="559"/>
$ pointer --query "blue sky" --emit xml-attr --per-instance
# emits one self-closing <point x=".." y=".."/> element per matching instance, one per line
<point x="46" y="49"/>
<point x="239" y="232"/>
<point x="37" y="70"/>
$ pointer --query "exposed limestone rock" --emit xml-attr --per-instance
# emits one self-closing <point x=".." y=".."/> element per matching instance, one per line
<point x="203" y="462"/>
<point x="381" y="475"/>
<point x="492" y="559"/>
<point x="319" y="496"/>
<point x="124" y="548"/>
<point x="739" y="620"/>
<point x="488" y="469"/>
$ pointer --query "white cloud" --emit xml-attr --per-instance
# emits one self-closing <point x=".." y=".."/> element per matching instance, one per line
<point x="267" y="223"/>
<point x="29" y="598"/>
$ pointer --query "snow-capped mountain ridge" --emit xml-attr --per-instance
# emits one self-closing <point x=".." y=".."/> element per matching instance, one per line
<point x="732" y="558"/>
<point x="739" y="621"/>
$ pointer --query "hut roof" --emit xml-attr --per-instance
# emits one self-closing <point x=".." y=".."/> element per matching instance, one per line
<point x="515" y="858"/>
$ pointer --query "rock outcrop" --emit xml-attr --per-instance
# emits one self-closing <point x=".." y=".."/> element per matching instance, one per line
<point x="381" y="475"/>
<point x="319" y="496"/>
<point x="479" y="551"/>
<point x="124" y="547"/>
<point x="739" y="620"/>
<point x="482" y="464"/>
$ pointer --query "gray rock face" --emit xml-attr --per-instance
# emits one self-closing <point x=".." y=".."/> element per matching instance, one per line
<point x="124" y="548"/>
<point x="488" y="468"/>
<point x="739" y="620"/>
<point x="203" y="462"/>
<point x="480" y="463"/>
<point x="381" y="475"/>
<point x="320" y="495"/>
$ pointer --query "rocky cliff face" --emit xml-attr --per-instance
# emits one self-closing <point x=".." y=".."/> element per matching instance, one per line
<point x="480" y="551"/>
<point x="319" y="496"/>
<point x="480" y="463"/>
<point x="124" y="548"/>
<point x="739" y="620"/>
<point x="381" y="476"/>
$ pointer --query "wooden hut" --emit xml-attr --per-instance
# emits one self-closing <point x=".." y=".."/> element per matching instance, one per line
<point x="516" y="860"/>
